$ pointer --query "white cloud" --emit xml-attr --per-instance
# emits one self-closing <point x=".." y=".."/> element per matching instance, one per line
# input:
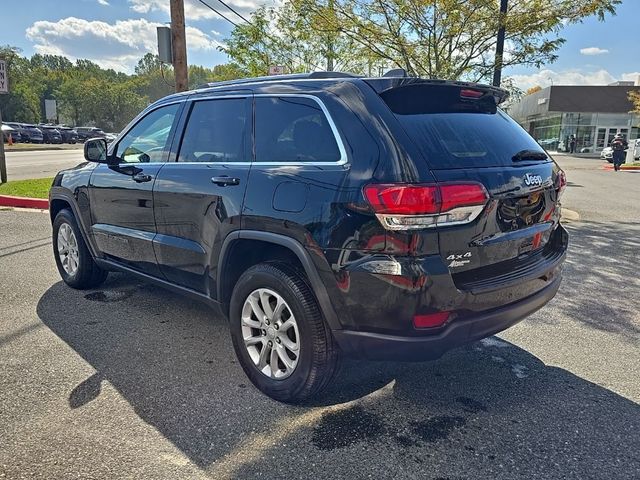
<point x="546" y="77"/>
<point x="118" y="46"/>
<point x="631" y="77"/>
<point x="195" y="10"/>
<point x="593" y="51"/>
<point x="103" y="2"/>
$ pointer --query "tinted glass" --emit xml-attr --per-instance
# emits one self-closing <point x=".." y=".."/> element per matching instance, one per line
<point x="217" y="131"/>
<point x="291" y="129"/>
<point x="148" y="140"/>
<point x="454" y="132"/>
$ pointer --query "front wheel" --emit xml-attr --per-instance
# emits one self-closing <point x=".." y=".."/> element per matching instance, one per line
<point x="279" y="335"/>
<point x="73" y="259"/>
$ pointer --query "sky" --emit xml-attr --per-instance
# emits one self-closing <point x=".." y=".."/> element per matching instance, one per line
<point x="116" y="33"/>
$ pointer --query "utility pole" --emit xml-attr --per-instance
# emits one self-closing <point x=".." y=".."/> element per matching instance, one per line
<point x="331" y="38"/>
<point x="179" y="45"/>
<point x="4" y="89"/>
<point x="3" y="160"/>
<point x="497" y="73"/>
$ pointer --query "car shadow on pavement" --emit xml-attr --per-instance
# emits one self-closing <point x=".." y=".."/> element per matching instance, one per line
<point x="489" y="410"/>
<point x="600" y="285"/>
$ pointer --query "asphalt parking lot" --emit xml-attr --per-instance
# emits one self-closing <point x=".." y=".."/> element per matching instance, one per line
<point x="131" y="381"/>
<point x="22" y="165"/>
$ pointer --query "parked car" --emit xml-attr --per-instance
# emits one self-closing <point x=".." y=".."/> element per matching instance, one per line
<point x="85" y="133"/>
<point x="69" y="135"/>
<point x="8" y="131"/>
<point x="18" y="128"/>
<point x="324" y="214"/>
<point x="607" y="154"/>
<point x="550" y="143"/>
<point x="635" y="144"/>
<point x="33" y="133"/>
<point x="110" y="137"/>
<point x="50" y="134"/>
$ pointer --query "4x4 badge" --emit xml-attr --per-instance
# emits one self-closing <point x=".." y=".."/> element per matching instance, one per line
<point x="459" y="259"/>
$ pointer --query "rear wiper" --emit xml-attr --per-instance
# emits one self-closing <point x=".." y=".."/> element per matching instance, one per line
<point x="529" y="155"/>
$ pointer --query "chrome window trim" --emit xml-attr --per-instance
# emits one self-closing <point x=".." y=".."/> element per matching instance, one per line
<point x="343" y="160"/>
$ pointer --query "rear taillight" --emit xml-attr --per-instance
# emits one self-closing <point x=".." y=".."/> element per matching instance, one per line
<point x="561" y="182"/>
<point x="410" y="207"/>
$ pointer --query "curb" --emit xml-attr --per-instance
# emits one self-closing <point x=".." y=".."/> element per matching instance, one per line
<point x="622" y="167"/>
<point x="24" y="202"/>
<point x="569" y="215"/>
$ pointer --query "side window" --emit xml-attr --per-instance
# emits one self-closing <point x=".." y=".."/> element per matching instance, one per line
<point x="148" y="140"/>
<point x="217" y="131"/>
<point x="293" y="129"/>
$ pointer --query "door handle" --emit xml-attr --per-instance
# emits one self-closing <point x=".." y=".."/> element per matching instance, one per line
<point x="142" y="177"/>
<point x="223" y="181"/>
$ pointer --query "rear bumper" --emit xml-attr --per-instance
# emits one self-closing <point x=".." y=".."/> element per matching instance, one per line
<point x="375" y="346"/>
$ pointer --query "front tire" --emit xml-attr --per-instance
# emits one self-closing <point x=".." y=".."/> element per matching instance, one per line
<point x="279" y="335"/>
<point x="73" y="259"/>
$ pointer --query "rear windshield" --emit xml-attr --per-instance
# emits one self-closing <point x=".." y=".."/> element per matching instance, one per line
<point x="455" y="132"/>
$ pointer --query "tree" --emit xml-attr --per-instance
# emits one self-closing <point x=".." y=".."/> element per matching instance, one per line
<point x="534" y="89"/>
<point x="450" y="39"/>
<point x="294" y="36"/>
<point x="634" y="98"/>
<point x="22" y="104"/>
<point x="148" y="64"/>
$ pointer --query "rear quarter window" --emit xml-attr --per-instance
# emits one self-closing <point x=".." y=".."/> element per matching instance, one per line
<point x="293" y="129"/>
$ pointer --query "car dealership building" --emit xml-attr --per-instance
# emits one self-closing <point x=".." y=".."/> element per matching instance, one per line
<point x="594" y="114"/>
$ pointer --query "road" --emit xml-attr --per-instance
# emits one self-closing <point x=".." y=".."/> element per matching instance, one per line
<point x="41" y="163"/>
<point x="130" y="381"/>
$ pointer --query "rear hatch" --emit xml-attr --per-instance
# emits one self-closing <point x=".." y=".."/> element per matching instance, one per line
<point x="464" y="138"/>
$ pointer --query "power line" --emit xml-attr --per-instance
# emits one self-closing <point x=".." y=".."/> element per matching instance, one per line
<point x="211" y="8"/>
<point x="229" y="7"/>
<point x="302" y="59"/>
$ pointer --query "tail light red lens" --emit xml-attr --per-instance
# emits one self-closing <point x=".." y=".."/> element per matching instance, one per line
<point x="431" y="320"/>
<point x="462" y="195"/>
<point x="469" y="93"/>
<point x="405" y="206"/>
<point x="561" y="182"/>
<point x="403" y="199"/>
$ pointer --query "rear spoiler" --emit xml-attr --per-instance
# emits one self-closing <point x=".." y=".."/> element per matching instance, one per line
<point x="384" y="84"/>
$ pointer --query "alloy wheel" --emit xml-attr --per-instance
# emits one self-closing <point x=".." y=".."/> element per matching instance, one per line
<point x="270" y="333"/>
<point x="68" y="249"/>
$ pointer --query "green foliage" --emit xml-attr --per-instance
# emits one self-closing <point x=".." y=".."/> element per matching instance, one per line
<point x="450" y="39"/>
<point x="298" y="36"/>
<point x="634" y="98"/>
<point x="88" y="94"/>
<point x="37" y="188"/>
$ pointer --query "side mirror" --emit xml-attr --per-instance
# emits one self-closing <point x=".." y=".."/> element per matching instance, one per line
<point x="95" y="150"/>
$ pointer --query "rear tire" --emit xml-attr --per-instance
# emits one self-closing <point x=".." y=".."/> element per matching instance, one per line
<point x="73" y="259"/>
<point x="316" y="360"/>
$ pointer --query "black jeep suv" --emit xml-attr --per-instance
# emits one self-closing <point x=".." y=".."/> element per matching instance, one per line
<point x="323" y="214"/>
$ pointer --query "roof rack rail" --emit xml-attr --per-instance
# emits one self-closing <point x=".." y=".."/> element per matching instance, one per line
<point x="324" y="74"/>
<point x="274" y="78"/>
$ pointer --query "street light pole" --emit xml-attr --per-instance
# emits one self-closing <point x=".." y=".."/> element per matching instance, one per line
<point x="179" y="45"/>
<point x="497" y="72"/>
